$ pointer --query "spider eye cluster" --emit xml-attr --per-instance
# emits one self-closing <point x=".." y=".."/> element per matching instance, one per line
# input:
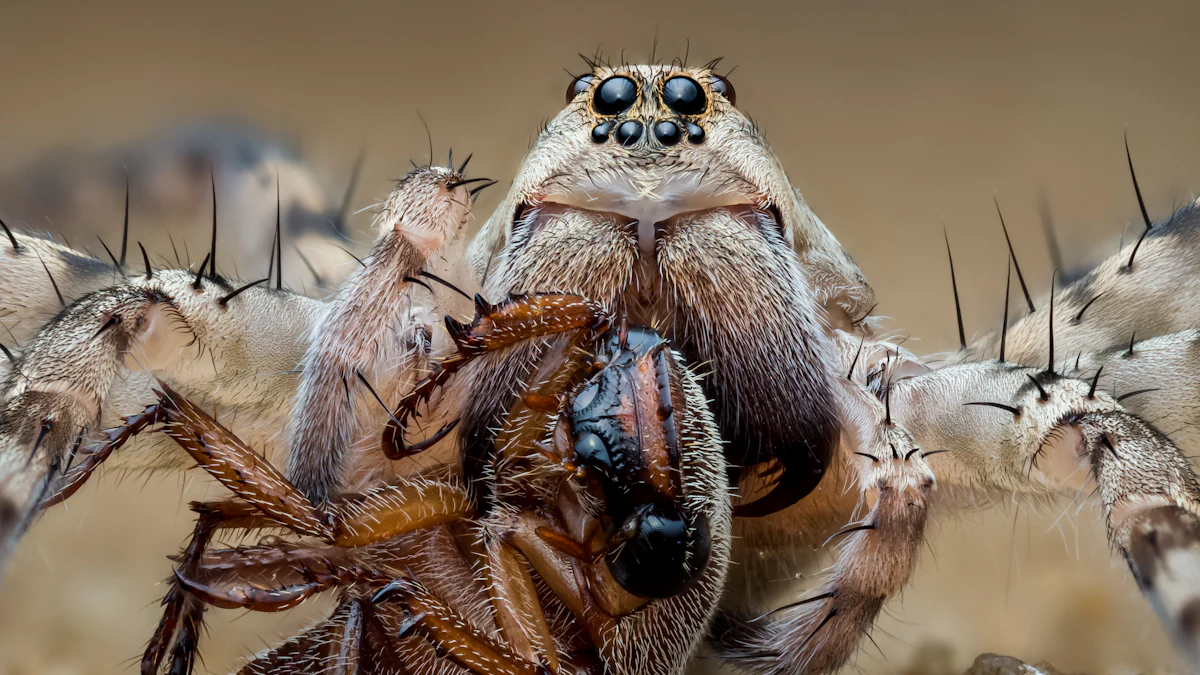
<point x="680" y="94"/>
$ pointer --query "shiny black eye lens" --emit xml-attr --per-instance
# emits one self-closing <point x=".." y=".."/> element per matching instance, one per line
<point x="578" y="86"/>
<point x="615" y="95"/>
<point x="629" y="133"/>
<point x="725" y="88"/>
<point x="667" y="132"/>
<point x="600" y="132"/>
<point x="684" y="95"/>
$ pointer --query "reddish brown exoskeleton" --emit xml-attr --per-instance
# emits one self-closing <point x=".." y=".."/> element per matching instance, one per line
<point x="605" y="497"/>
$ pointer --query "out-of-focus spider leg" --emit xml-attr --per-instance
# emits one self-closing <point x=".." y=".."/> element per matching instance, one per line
<point x="92" y="456"/>
<point x="494" y="327"/>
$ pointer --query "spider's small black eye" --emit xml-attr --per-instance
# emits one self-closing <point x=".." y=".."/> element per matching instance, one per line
<point x="684" y="95"/>
<point x="615" y="95"/>
<point x="578" y="86"/>
<point x="725" y="88"/>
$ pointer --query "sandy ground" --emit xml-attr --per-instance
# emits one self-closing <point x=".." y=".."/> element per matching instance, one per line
<point x="894" y="120"/>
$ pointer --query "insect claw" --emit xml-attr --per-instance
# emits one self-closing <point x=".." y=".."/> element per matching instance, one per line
<point x="482" y="307"/>
<point x="457" y="329"/>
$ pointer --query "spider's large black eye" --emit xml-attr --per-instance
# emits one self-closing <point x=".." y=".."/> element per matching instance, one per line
<point x="684" y="95"/>
<point x="578" y="86"/>
<point x="615" y="95"/>
<point x="725" y="88"/>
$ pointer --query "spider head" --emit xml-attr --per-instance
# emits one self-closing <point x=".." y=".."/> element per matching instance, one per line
<point x="646" y="143"/>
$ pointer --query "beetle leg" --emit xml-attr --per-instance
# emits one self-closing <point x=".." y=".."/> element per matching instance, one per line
<point x="339" y="645"/>
<point x="405" y="605"/>
<point x="179" y="629"/>
<point x="495" y="327"/>
<point x="515" y="604"/>
<point x="236" y="466"/>
<point x="94" y="455"/>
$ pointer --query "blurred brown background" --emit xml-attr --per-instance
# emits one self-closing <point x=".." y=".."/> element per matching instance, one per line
<point x="894" y="119"/>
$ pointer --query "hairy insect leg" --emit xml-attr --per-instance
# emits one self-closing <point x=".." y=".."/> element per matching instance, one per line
<point x="336" y="646"/>
<point x="275" y="577"/>
<point x="177" y="635"/>
<point x="495" y="327"/>
<point x="91" y="457"/>
<point x="406" y="607"/>
<point x="354" y="519"/>
<point x="563" y="574"/>
<point x="516" y="606"/>
<point x="219" y="452"/>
